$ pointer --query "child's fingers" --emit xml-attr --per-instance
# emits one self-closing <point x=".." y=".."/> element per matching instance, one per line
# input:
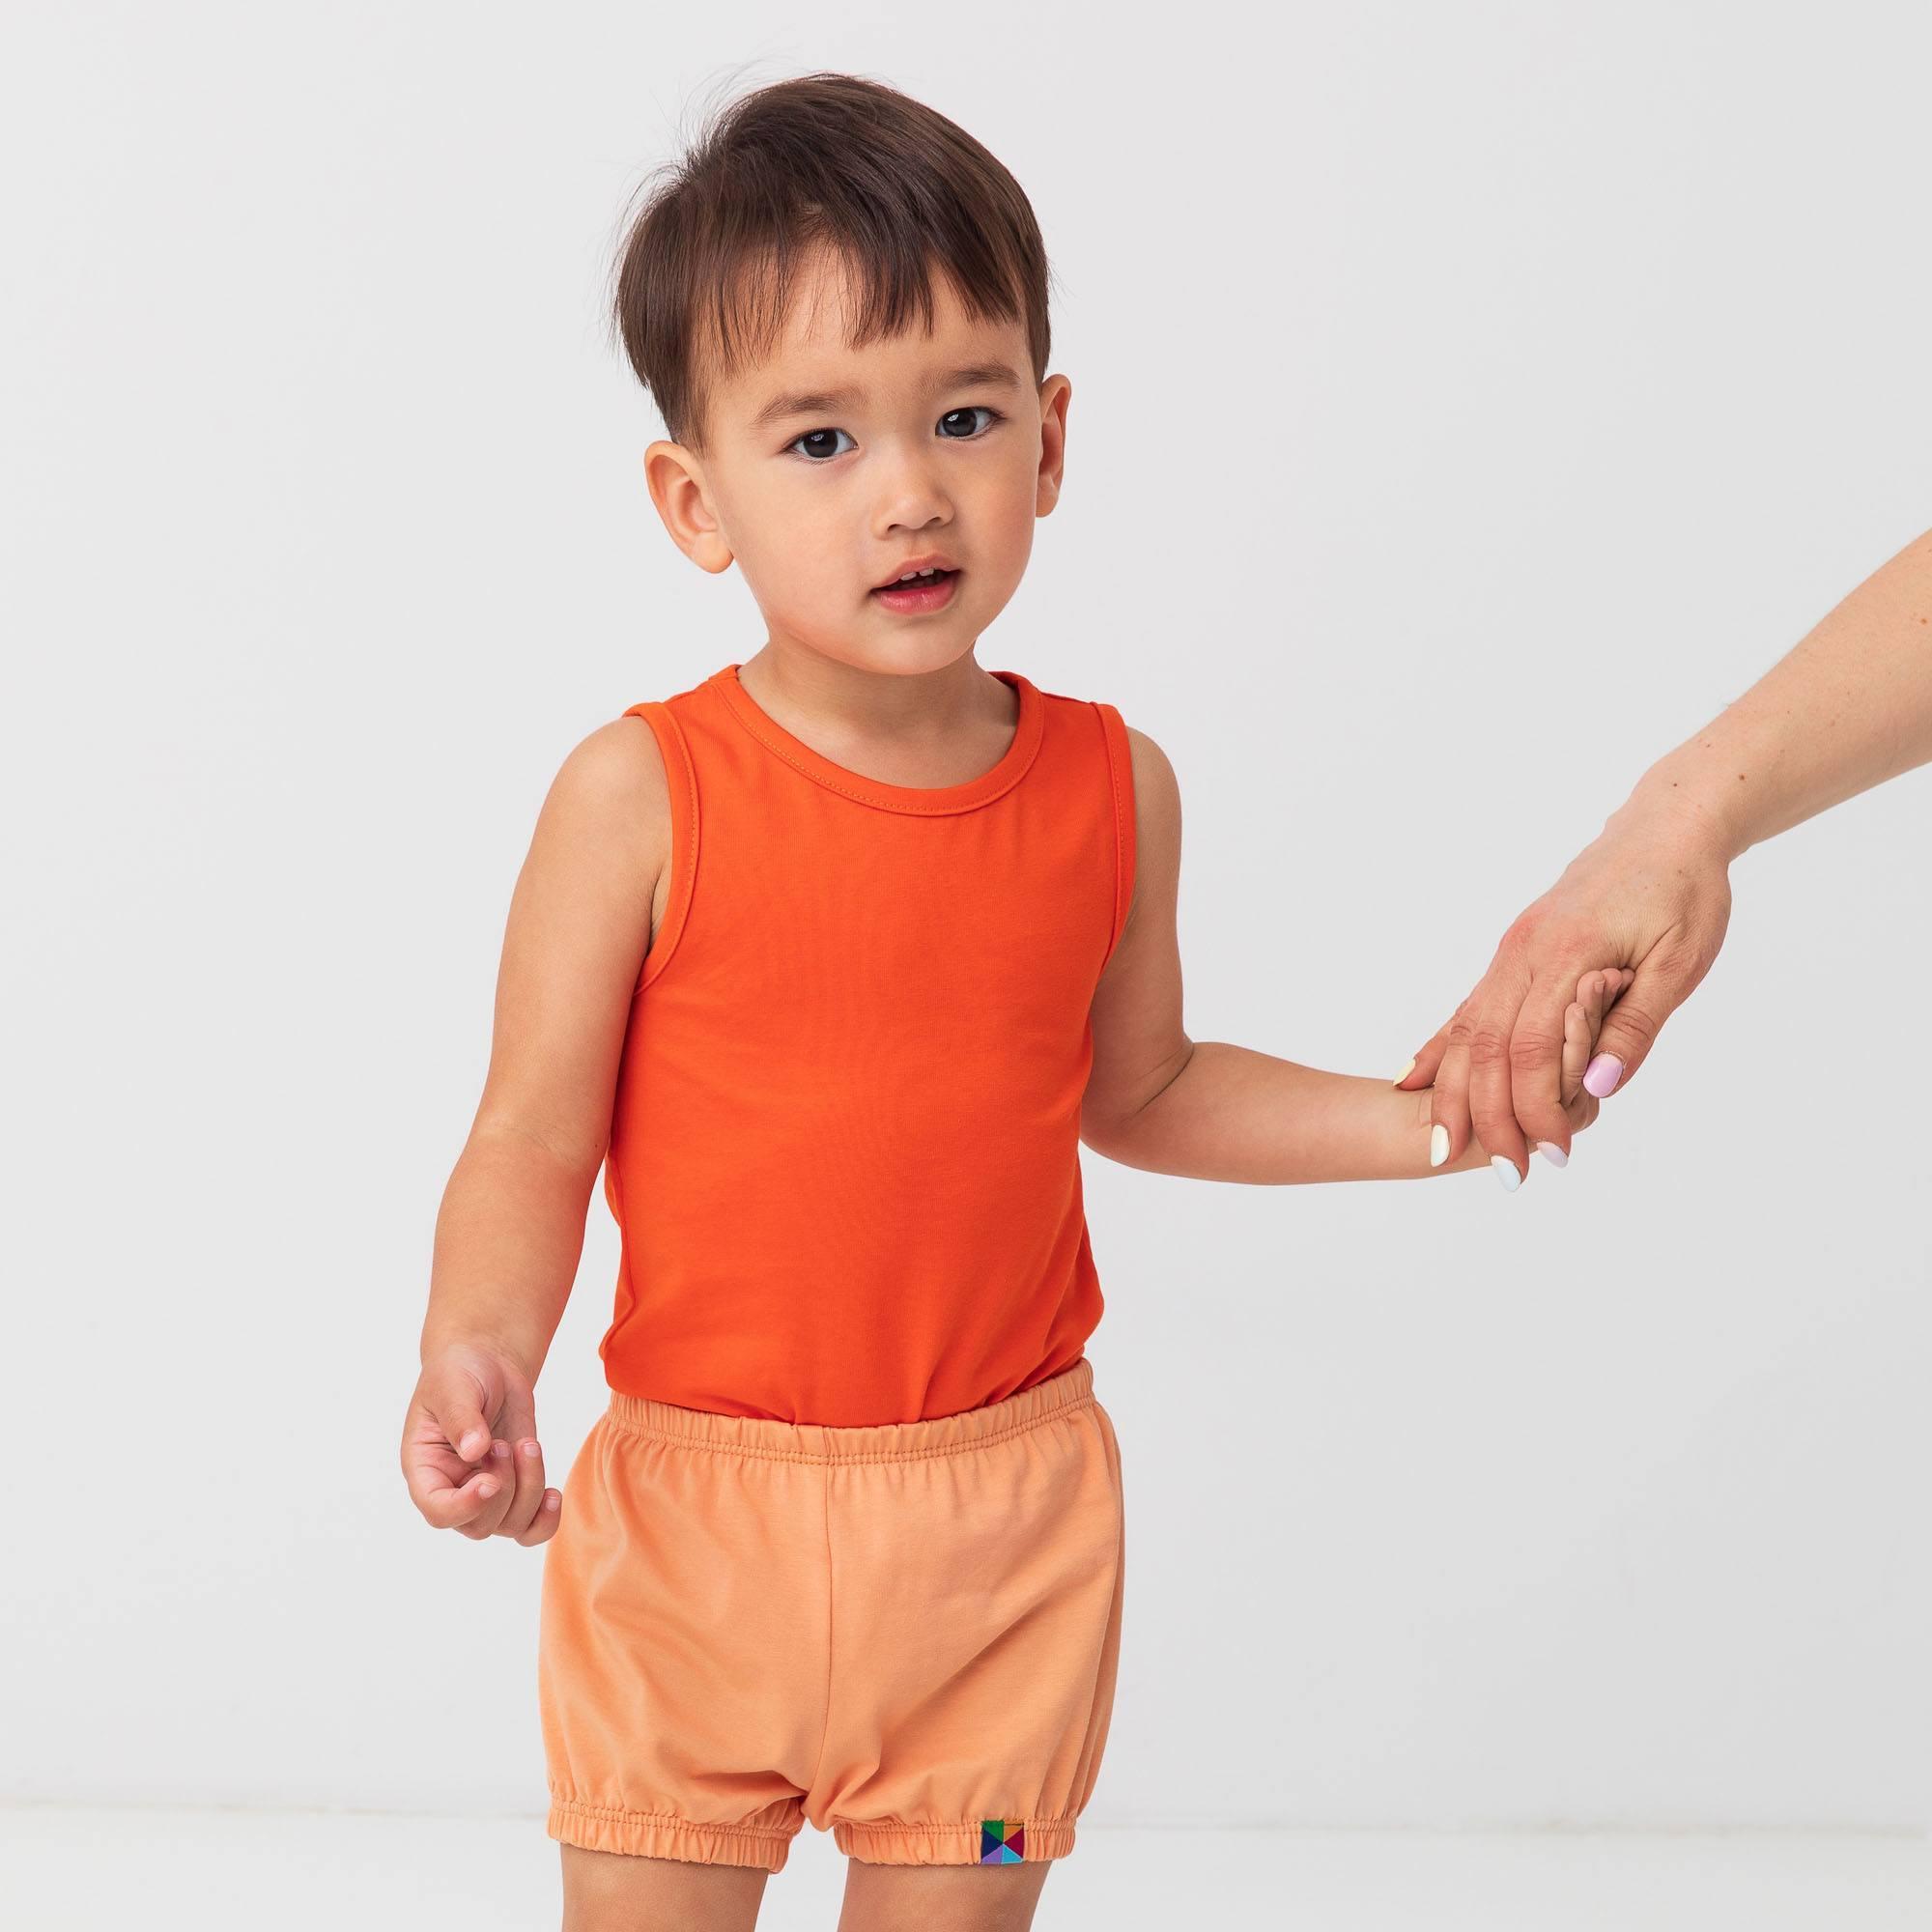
<point x="528" y="1456"/>
<point x="1578" y="1035"/>
<point x="452" y="1404"/>
<point x="447" y="1505"/>
<point x="1597" y="992"/>
<point x="441" y="1482"/>
<point x="499" y="1468"/>
<point x="1603" y="986"/>
<point x="538" y="1523"/>
<point x="1581" y="1022"/>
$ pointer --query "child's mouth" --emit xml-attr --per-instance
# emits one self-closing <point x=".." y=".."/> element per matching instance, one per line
<point x="930" y="593"/>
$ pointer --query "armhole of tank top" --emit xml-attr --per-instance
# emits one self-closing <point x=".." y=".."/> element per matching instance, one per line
<point x="681" y="777"/>
<point x="1121" y="780"/>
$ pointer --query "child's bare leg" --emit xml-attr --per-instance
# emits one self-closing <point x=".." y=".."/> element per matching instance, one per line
<point x="940" y="1898"/>
<point x="620" y="1891"/>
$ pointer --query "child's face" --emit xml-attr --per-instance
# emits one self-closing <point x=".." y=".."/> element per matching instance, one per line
<point x="820" y="504"/>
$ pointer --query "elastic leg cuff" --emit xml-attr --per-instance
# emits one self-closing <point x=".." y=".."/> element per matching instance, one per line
<point x="992" y="1841"/>
<point x="658" y="1834"/>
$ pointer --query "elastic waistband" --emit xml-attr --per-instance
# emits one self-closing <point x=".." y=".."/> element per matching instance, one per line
<point x="1025" y="1409"/>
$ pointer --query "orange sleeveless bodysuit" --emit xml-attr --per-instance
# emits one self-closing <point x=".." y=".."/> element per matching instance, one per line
<point x="845" y="1146"/>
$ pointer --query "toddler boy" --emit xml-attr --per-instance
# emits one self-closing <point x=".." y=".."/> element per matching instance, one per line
<point x="831" y="962"/>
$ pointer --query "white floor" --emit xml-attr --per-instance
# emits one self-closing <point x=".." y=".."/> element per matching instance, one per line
<point x="73" y="1870"/>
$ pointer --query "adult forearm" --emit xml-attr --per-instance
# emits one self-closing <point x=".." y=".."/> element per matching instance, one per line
<point x="1846" y="708"/>
<point x="1234" y="1113"/>
<point x="509" y="1237"/>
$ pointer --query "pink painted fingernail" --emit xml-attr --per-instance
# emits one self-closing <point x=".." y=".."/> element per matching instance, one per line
<point x="1552" y="1154"/>
<point x="1602" y="1076"/>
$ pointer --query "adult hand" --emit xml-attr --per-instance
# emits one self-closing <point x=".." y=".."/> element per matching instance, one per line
<point x="1652" y="891"/>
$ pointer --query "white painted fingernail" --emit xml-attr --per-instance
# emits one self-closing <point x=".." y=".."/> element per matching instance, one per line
<point x="1438" y="1145"/>
<point x="1552" y="1154"/>
<point x="1404" y="1075"/>
<point x="1506" y="1172"/>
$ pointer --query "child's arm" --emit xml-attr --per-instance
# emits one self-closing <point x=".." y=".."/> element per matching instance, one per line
<point x="510" y="1229"/>
<point x="1158" y="1100"/>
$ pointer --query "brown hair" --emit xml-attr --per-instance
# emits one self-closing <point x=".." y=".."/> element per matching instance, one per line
<point x="704" y="277"/>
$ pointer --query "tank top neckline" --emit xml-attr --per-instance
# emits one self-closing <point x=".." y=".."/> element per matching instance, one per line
<point x="992" y="783"/>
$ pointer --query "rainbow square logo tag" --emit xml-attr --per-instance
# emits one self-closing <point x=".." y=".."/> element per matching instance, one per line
<point x="1002" y="1841"/>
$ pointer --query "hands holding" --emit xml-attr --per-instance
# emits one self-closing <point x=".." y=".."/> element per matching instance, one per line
<point x="1597" y="963"/>
<point x="1846" y="708"/>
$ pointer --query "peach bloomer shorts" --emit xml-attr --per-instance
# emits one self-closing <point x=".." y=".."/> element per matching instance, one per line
<point x="907" y="1632"/>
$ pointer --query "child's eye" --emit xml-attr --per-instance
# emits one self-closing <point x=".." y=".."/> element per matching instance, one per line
<point x="813" y="435"/>
<point x="804" y="445"/>
<point x="971" y="410"/>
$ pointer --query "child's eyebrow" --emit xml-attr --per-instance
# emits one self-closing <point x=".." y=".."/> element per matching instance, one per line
<point x="815" y="402"/>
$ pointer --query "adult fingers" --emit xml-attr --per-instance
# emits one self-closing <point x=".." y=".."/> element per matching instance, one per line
<point x="1420" y="1072"/>
<point x="1498" y="1013"/>
<point x="1581" y="1108"/>
<point x="1534" y="1063"/>
<point x="1657" y="897"/>
<point x="1665" y="978"/>
<point x="1449" y="1094"/>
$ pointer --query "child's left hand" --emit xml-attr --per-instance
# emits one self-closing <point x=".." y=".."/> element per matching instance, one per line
<point x="1597" y="992"/>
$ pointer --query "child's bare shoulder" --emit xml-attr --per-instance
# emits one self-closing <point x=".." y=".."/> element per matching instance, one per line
<point x="608" y="810"/>
<point x="1156" y="805"/>
<point x="1157" y="789"/>
<point x="616" y="776"/>
<point x="617" y="766"/>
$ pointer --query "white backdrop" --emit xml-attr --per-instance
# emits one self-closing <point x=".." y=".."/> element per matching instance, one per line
<point x="1468" y="403"/>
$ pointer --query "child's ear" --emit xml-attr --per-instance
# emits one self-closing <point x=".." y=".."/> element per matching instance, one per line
<point x="1054" y="395"/>
<point x="676" y="479"/>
